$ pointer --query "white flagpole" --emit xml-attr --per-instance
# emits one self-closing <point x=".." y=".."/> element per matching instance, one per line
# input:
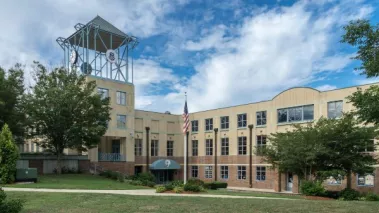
<point x="185" y="158"/>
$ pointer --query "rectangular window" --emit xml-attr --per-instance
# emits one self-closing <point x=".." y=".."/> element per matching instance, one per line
<point x="170" y="148"/>
<point x="195" y="148"/>
<point x="261" y="173"/>
<point x="296" y="114"/>
<point x="224" y="122"/>
<point x="366" y="180"/>
<point x="37" y="148"/>
<point x="121" y="121"/>
<point x="261" y="118"/>
<point x="242" y="145"/>
<point x="241" y="172"/>
<point x="154" y="147"/>
<point x="195" y="126"/>
<point x="209" y="124"/>
<point x="104" y="93"/>
<point x="335" y="109"/>
<point x="224" y="172"/>
<point x="32" y="149"/>
<point x="208" y="147"/>
<point x="261" y="142"/>
<point x="138" y="147"/>
<point x="194" y="171"/>
<point x="241" y="120"/>
<point x="208" y="171"/>
<point x="333" y="181"/>
<point x="121" y="98"/>
<point x="224" y="146"/>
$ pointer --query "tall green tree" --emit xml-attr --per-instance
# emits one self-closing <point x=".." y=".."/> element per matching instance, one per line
<point x="11" y="108"/>
<point x="8" y="156"/>
<point x="64" y="111"/>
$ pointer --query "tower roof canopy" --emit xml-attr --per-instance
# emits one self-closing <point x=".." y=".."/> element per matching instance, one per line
<point x="106" y="26"/>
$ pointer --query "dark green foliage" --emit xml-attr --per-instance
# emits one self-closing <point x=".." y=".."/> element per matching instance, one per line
<point x="195" y="181"/>
<point x="142" y="179"/>
<point x="216" y="185"/>
<point x="349" y="194"/>
<point x="9" y="206"/>
<point x="332" y="194"/>
<point x="160" y="189"/>
<point x="173" y="184"/>
<point x="371" y="197"/>
<point x="312" y="188"/>
<point x="66" y="170"/>
<point x="65" y="111"/>
<point x="120" y="177"/>
<point x="169" y="186"/>
<point x="8" y="156"/>
<point x="191" y="188"/>
<point x="366" y="103"/>
<point x="145" y="176"/>
<point x="178" y="189"/>
<point x="136" y="183"/>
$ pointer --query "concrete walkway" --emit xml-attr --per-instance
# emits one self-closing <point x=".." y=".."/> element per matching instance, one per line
<point x="143" y="192"/>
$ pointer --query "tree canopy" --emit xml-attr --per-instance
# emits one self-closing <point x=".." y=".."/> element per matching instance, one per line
<point x="8" y="156"/>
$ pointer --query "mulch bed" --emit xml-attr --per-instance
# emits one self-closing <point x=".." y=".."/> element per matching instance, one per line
<point x="172" y="192"/>
<point x="317" y="198"/>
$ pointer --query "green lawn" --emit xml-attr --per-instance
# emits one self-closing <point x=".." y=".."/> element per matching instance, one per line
<point x="59" y="202"/>
<point x="76" y="181"/>
<point x="254" y="194"/>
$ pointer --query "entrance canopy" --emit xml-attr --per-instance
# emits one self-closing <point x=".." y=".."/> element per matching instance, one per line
<point x="164" y="164"/>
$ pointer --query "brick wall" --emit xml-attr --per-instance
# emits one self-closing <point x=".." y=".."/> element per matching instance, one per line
<point x="123" y="167"/>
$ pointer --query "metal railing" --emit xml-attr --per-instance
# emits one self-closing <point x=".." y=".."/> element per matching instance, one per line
<point x="111" y="157"/>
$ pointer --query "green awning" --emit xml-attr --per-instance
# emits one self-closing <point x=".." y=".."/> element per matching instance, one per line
<point x="164" y="164"/>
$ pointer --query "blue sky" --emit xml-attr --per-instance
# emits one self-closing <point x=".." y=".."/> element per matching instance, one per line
<point x="222" y="53"/>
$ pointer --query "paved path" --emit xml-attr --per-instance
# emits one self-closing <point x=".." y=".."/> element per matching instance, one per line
<point x="145" y="192"/>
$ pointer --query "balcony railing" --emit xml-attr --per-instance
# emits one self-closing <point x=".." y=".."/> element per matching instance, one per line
<point x="111" y="157"/>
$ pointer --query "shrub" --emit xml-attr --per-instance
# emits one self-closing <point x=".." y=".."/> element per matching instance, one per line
<point x="8" y="156"/>
<point x="169" y="186"/>
<point x="114" y="175"/>
<point x="371" y="197"/>
<point x="332" y="194"/>
<point x="192" y="188"/>
<point x="349" y="194"/>
<point x="136" y="183"/>
<point x="9" y="206"/>
<point x="176" y="183"/>
<point x="148" y="183"/>
<point x="216" y="185"/>
<point x="145" y="176"/>
<point x="121" y="177"/>
<point x="178" y="189"/>
<point x="311" y="188"/>
<point x="160" y="189"/>
<point x="195" y="181"/>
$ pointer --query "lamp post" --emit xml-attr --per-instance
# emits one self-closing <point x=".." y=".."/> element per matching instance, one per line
<point x="147" y="148"/>
<point x="215" y="153"/>
<point x="251" y="126"/>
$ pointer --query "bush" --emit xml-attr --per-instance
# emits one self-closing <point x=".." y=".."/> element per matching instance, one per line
<point x="121" y="177"/>
<point x="311" y="188"/>
<point x="371" y="197"/>
<point x="136" y="183"/>
<point x="145" y="176"/>
<point x="332" y="194"/>
<point x="9" y="206"/>
<point x="178" y="189"/>
<point x="176" y="183"/>
<point x="195" y="181"/>
<point x="148" y="183"/>
<point x="169" y="186"/>
<point x="216" y="185"/>
<point x="349" y="194"/>
<point x="192" y="188"/>
<point x="160" y="189"/>
<point x="114" y="175"/>
<point x="8" y="156"/>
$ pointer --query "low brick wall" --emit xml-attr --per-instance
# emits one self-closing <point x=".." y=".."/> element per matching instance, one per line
<point x="123" y="167"/>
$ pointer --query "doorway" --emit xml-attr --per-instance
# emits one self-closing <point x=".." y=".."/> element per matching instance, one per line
<point x="289" y="184"/>
<point x="163" y="176"/>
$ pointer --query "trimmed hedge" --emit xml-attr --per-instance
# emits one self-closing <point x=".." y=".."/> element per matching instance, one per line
<point x="192" y="188"/>
<point x="311" y="188"/>
<point x="216" y="185"/>
<point x="349" y="194"/>
<point x="195" y="181"/>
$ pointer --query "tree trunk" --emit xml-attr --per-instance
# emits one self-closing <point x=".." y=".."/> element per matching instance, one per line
<point x="348" y="179"/>
<point x="59" y="168"/>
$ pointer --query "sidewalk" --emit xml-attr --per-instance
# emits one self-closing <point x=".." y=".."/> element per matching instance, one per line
<point x="140" y="192"/>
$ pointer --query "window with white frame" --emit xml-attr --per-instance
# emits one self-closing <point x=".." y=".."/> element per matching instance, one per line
<point x="366" y="180"/>
<point x="261" y="142"/>
<point x="241" y="172"/>
<point x="104" y="93"/>
<point x="224" y="170"/>
<point x="170" y="148"/>
<point x="296" y="114"/>
<point x="121" y="121"/>
<point x="195" y="147"/>
<point x="261" y="173"/>
<point x="261" y="118"/>
<point x="138" y="147"/>
<point x="32" y="149"/>
<point x="224" y="146"/>
<point x="195" y="171"/>
<point x="154" y="147"/>
<point x="208" y="147"/>
<point x="242" y="145"/>
<point x="335" y="109"/>
<point x="209" y="124"/>
<point x="121" y="98"/>
<point x="195" y="126"/>
<point x="334" y="181"/>
<point x="208" y="172"/>
<point x="241" y="120"/>
<point x="224" y="122"/>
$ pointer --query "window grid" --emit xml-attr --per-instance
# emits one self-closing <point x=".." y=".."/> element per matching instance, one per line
<point x="154" y="147"/>
<point x="335" y="109"/>
<point x="241" y="172"/>
<point x="195" y="126"/>
<point x="261" y="142"/>
<point x="241" y="120"/>
<point x="195" y="171"/>
<point x="121" y="98"/>
<point x="224" y="122"/>
<point x="296" y="114"/>
<point x="208" y="172"/>
<point x="242" y="145"/>
<point x="261" y="118"/>
<point x="224" y="172"/>
<point x="195" y="147"/>
<point x="104" y="93"/>
<point x="209" y="124"/>
<point x="121" y="121"/>
<point x="208" y="147"/>
<point x="224" y="146"/>
<point x="138" y="147"/>
<point x="366" y="180"/>
<point x="170" y="148"/>
<point x="261" y="173"/>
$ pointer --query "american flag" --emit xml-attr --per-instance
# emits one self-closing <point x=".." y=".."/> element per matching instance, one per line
<point x="185" y="117"/>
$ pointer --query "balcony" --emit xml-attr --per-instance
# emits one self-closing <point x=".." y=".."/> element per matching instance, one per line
<point x="115" y="157"/>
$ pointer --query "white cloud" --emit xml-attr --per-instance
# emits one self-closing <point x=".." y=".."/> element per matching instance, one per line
<point x="367" y="81"/>
<point x="326" y="87"/>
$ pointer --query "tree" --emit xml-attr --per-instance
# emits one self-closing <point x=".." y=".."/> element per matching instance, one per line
<point x="9" y="206"/>
<point x="8" y="156"/>
<point x="11" y="109"/>
<point x="65" y="112"/>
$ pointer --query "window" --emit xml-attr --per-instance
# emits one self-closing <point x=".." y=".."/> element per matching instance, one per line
<point x="170" y="148"/>
<point x="225" y="122"/>
<point x="195" y="126"/>
<point x="366" y="180"/>
<point x="138" y="147"/>
<point x="208" y="147"/>
<point x="333" y="181"/>
<point x="224" y="146"/>
<point x="335" y="109"/>
<point x="261" y="173"/>
<point x="261" y="142"/>
<point x="37" y="148"/>
<point x="261" y="118"/>
<point x="242" y="146"/>
<point x="195" y="148"/>
<point x="241" y="120"/>
<point x="209" y="124"/>
<point x="208" y="173"/>
<point x="224" y="172"/>
<point x="154" y="147"/>
<point x="194" y="171"/>
<point x="121" y="98"/>
<point x="295" y="114"/>
<point x="104" y="93"/>
<point x="121" y="121"/>
<point x="241" y="172"/>
<point x="32" y="149"/>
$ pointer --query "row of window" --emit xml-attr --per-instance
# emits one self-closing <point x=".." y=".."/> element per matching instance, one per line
<point x="153" y="148"/>
<point x="120" y="96"/>
<point x="362" y="180"/>
<point x="260" y="172"/>
<point x="285" y="115"/>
